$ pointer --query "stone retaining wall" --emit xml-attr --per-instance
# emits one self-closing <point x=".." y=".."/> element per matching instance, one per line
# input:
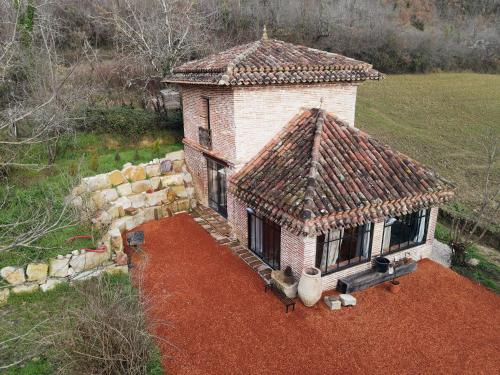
<point x="121" y="201"/>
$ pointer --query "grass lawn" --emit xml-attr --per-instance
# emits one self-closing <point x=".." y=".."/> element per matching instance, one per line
<point x="41" y="310"/>
<point x="439" y="120"/>
<point x="77" y="156"/>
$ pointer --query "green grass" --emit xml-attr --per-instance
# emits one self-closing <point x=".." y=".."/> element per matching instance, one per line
<point x="438" y="119"/>
<point x="487" y="272"/>
<point x="23" y="311"/>
<point x="32" y="187"/>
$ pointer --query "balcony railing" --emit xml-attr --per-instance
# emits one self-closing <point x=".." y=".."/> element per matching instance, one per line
<point x="205" y="137"/>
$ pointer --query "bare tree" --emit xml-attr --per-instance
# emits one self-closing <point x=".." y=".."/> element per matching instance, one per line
<point x="464" y="233"/>
<point x="159" y="32"/>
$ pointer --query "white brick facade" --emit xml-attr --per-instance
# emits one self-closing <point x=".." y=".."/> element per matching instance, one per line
<point x="243" y="120"/>
<point x="261" y="112"/>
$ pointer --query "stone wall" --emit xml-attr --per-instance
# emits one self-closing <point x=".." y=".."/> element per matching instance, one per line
<point x="121" y="200"/>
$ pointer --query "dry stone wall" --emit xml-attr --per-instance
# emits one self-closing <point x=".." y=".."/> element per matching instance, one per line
<point x="121" y="201"/>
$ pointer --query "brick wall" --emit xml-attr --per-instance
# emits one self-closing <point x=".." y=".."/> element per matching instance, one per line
<point x="299" y="252"/>
<point x="260" y="112"/>
<point x="237" y="217"/>
<point x="197" y="166"/>
<point x="221" y="116"/>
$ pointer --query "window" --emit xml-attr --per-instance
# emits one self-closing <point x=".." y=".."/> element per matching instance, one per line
<point x="264" y="239"/>
<point x="206" y="102"/>
<point x="341" y="248"/>
<point x="405" y="231"/>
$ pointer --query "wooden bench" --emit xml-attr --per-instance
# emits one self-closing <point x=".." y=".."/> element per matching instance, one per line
<point x="281" y="296"/>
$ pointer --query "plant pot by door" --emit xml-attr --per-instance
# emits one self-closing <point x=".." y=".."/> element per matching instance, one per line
<point x="394" y="287"/>
<point x="382" y="264"/>
<point x="309" y="289"/>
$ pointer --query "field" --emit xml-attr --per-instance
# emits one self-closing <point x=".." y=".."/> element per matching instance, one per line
<point x="440" y="120"/>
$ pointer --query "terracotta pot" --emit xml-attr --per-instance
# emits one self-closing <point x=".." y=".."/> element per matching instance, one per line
<point x="394" y="287"/>
<point x="309" y="289"/>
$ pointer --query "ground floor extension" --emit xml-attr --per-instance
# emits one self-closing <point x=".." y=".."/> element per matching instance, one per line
<point x="220" y="321"/>
<point x="339" y="253"/>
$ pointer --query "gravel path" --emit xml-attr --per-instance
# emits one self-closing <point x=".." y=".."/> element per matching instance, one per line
<point x="220" y="321"/>
<point x="441" y="253"/>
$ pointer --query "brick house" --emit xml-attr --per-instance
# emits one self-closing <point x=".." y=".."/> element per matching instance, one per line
<point x="271" y="144"/>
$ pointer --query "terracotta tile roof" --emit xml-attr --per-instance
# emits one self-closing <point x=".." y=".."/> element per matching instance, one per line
<point x="318" y="173"/>
<point x="271" y="61"/>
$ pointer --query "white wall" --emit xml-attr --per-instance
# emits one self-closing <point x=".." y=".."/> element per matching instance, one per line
<point x="260" y="112"/>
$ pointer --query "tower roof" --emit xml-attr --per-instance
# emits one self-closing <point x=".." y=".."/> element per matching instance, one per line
<point x="272" y="62"/>
<point x="319" y="173"/>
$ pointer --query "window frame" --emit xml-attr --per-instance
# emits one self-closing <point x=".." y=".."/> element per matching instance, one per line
<point x="271" y="233"/>
<point x="367" y="227"/>
<point x="206" y="102"/>
<point x="424" y="213"/>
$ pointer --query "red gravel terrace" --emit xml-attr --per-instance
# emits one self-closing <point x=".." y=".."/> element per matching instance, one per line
<point x="221" y="321"/>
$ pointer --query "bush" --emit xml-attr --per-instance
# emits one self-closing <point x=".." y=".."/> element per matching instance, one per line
<point x="122" y="120"/>
<point x="107" y="332"/>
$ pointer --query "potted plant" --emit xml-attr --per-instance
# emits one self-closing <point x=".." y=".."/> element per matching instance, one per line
<point x="395" y="286"/>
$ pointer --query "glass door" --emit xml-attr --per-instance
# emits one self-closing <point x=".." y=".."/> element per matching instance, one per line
<point x="217" y="187"/>
<point x="264" y="239"/>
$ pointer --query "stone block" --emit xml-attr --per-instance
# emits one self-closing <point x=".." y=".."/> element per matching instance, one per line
<point x="116" y="240"/>
<point x="180" y="191"/>
<point x="149" y="214"/>
<point x="124" y="189"/>
<point x="171" y="180"/>
<point x="25" y="288"/>
<point x="134" y="173"/>
<point x="347" y="300"/>
<point x="138" y="200"/>
<point x="178" y="166"/>
<point x="279" y="280"/>
<point x="101" y="198"/>
<point x="116" y="178"/>
<point x="141" y="186"/>
<point x="119" y="224"/>
<point x="332" y="302"/>
<point x="95" y="183"/>
<point x="116" y="269"/>
<point x="130" y="223"/>
<point x="153" y="170"/>
<point x="4" y="295"/>
<point x="13" y="275"/>
<point x="59" y="267"/>
<point x="155" y="182"/>
<point x="115" y="211"/>
<point x="188" y="179"/>
<point x="89" y="260"/>
<point x="37" y="271"/>
<point x="156" y="198"/>
<point x="183" y="205"/>
<point x="50" y="284"/>
<point x="85" y="275"/>
<point x="123" y="202"/>
<point x="165" y="166"/>
<point x="176" y="155"/>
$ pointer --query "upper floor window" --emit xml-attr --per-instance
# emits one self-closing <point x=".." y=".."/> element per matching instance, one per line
<point x="206" y="109"/>
<point x="405" y="231"/>
<point x="341" y="248"/>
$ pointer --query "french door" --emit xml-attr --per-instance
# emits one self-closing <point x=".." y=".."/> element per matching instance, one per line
<point x="217" y="187"/>
<point x="264" y="239"/>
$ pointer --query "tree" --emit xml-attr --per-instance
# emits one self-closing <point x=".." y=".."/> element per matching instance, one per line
<point x="464" y="233"/>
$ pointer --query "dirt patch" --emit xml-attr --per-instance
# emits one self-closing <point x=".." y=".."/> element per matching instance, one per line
<point x="221" y="321"/>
